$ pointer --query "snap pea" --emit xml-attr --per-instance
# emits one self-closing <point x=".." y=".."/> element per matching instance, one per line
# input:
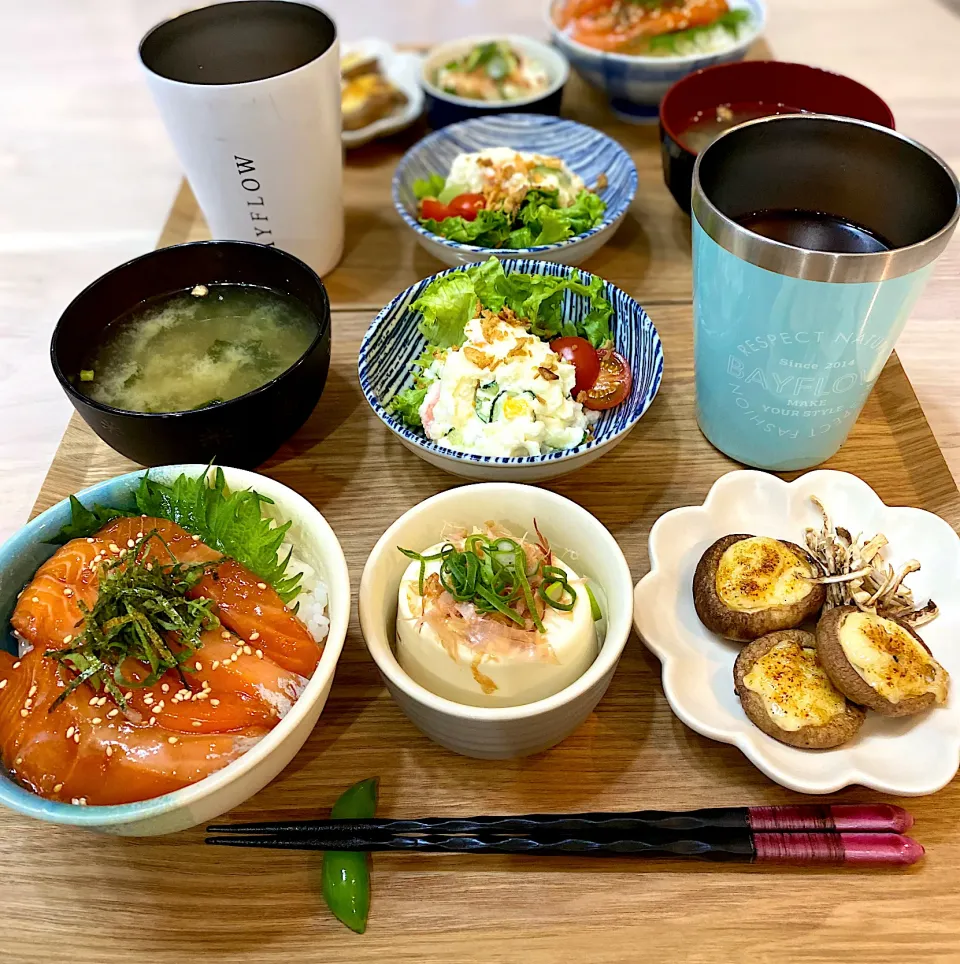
<point x="346" y="873"/>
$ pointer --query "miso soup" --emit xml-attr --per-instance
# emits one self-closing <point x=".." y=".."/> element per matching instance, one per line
<point x="197" y="347"/>
<point x="707" y="125"/>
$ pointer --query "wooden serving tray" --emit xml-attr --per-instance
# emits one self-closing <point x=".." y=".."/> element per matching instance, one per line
<point x="75" y="896"/>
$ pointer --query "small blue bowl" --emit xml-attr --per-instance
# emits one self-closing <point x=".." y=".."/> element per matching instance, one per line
<point x="586" y="151"/>
<point x="393" y="342"/>
<point x="444" y="108"/>
<point x="636" y="84"/>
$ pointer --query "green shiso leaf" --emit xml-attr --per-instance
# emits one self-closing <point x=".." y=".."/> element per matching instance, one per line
<point x="84" y="522"/>
<point x="230" y="522"/>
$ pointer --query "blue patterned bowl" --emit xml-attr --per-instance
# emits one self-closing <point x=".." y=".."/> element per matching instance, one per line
<point x="636" y="84"/>
<point x="393" y="342"/>
<point x="586" y="151"/>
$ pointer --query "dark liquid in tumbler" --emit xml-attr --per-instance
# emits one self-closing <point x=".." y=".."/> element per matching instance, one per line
<point x="815" y="231"/>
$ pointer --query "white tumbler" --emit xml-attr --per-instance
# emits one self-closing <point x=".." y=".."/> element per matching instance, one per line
<point x="250" y="94"/>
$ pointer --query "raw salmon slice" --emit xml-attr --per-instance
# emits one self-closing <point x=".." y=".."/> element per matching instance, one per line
<point x="254" y="611"/>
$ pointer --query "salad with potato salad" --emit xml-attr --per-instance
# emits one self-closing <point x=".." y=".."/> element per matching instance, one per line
<point x="502" y="198"/>
<point x="503" y="373"/>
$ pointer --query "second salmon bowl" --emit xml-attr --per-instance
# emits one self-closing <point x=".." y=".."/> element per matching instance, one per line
<point x="170" y="641"/>
<point x="514" y="371"/>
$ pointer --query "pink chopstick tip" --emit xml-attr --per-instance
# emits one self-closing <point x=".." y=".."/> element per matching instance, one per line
<point x="878" y="849"/>
<point x="837" y="817"/>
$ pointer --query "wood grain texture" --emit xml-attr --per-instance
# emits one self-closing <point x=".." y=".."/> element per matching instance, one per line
<point x="171" y="900"/>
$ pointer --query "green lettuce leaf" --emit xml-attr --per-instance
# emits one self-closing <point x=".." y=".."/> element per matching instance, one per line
<point x="230" y="522"/>
<point x="489" y="229"/>
<point x="428" y="187"/>
<point x="84" y="522"/>
<point x="446" y="305"/>
<point x="450" y="302"/>
<point x="406" y="403"/>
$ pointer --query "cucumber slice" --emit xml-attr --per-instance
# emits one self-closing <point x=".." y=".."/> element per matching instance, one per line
<point x="483" y="402"/>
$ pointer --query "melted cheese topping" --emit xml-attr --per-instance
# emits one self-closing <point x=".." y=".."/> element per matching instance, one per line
<point x="796" y="692"/>
<point x="759" y="573"/>
<point x="890" y="659"/>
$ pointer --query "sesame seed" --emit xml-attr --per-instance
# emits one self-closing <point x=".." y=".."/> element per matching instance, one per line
<point x="75" y="801"/>
<point x="18" y="760"/>
<point x="247" y="651"/>
<point x="70" y="730"/>
<point x="171" y="739"/>
<point x="215" y="665"/>
<point x="68" y="638"/>
<point x="198" y="665"/>
<point x="197" y="723"/>
<point x="35" y="599"/>
<point x="140" y="534"/>
<point x="90" y="541"/>
<point x="109" y="751"/>
<point x="195" y="538"/>
<point x="27" y="703"/>
<point x="205" y="684"/>
<point x="24" y="713"/>
<point x="225" y="635"/>
<point x="130" y="543"/>
<point x="83" y="801"/>
<point x="16" y="665"/>
<point x="96" y="720"/>
<point x="148" y="699"/>
<point x="113" y="713"/>
<point x="234" y="658"/>
<point x="3" y="683"/>
<point x="33" y="690"/>
<point x="114" y="547"/>
<point x="68" y="591"/>
<point x="122" y="553"/>
<point x="149" y="567"/>
<point x="57" y="787"/>
<point x="254" y="635"/>
<point x="93" y="701"/>
<point x="164" y="687"/>
<point x="153" y="720"/>
<point x="261" y="585"/>
<point x="214" y="702"/>
<point x="102" y="701"/>
<point x="128" y="696"/>
<point x="76" y="737"/>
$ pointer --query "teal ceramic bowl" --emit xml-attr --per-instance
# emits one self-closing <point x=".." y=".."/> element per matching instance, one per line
<point x="221" y="791"/>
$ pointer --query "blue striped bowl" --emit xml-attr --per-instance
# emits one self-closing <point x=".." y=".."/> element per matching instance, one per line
<point x="587" y="152"/>
<point x="393" y="342"/>
<point x="636" y="84"/>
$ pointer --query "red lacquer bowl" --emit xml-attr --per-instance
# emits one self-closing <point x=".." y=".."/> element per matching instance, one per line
<point x="766" y="82"/>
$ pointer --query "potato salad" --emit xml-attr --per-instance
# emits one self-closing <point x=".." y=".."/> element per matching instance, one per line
<point x="504" y="373"/>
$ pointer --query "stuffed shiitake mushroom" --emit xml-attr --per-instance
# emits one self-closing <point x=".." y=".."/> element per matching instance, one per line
<point x="748" y="586"/>
<point x="785" y="692"/>
<point x="879" y="663"/>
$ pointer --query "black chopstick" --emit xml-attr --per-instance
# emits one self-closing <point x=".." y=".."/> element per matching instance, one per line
<point x="741" y="846"/>
<point x="835" y="818"/>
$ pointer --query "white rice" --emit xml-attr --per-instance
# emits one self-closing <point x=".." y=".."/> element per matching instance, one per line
<point x="312" y="598"/>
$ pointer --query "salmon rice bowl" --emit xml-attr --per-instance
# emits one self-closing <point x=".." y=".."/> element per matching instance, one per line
<point x="158" y="644"/>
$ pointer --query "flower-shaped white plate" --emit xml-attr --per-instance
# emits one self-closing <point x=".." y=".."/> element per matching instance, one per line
<point x="402" y="69"/>
<point x="910" y="756"/>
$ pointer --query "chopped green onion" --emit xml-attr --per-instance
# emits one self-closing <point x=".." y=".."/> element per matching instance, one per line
<point x="496" y="576"/>
<point x="595" y="610"/>
<point x="86" y="374"/>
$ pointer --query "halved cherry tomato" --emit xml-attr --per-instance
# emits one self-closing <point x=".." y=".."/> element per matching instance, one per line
<point x="613" y="383"/>
<point x="467" y="205"/>
<point x="583" y="356"/>
<point x="430" y="207"/>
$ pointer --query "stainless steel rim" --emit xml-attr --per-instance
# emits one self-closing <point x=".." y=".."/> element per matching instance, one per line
<point x="794" y="262"/>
